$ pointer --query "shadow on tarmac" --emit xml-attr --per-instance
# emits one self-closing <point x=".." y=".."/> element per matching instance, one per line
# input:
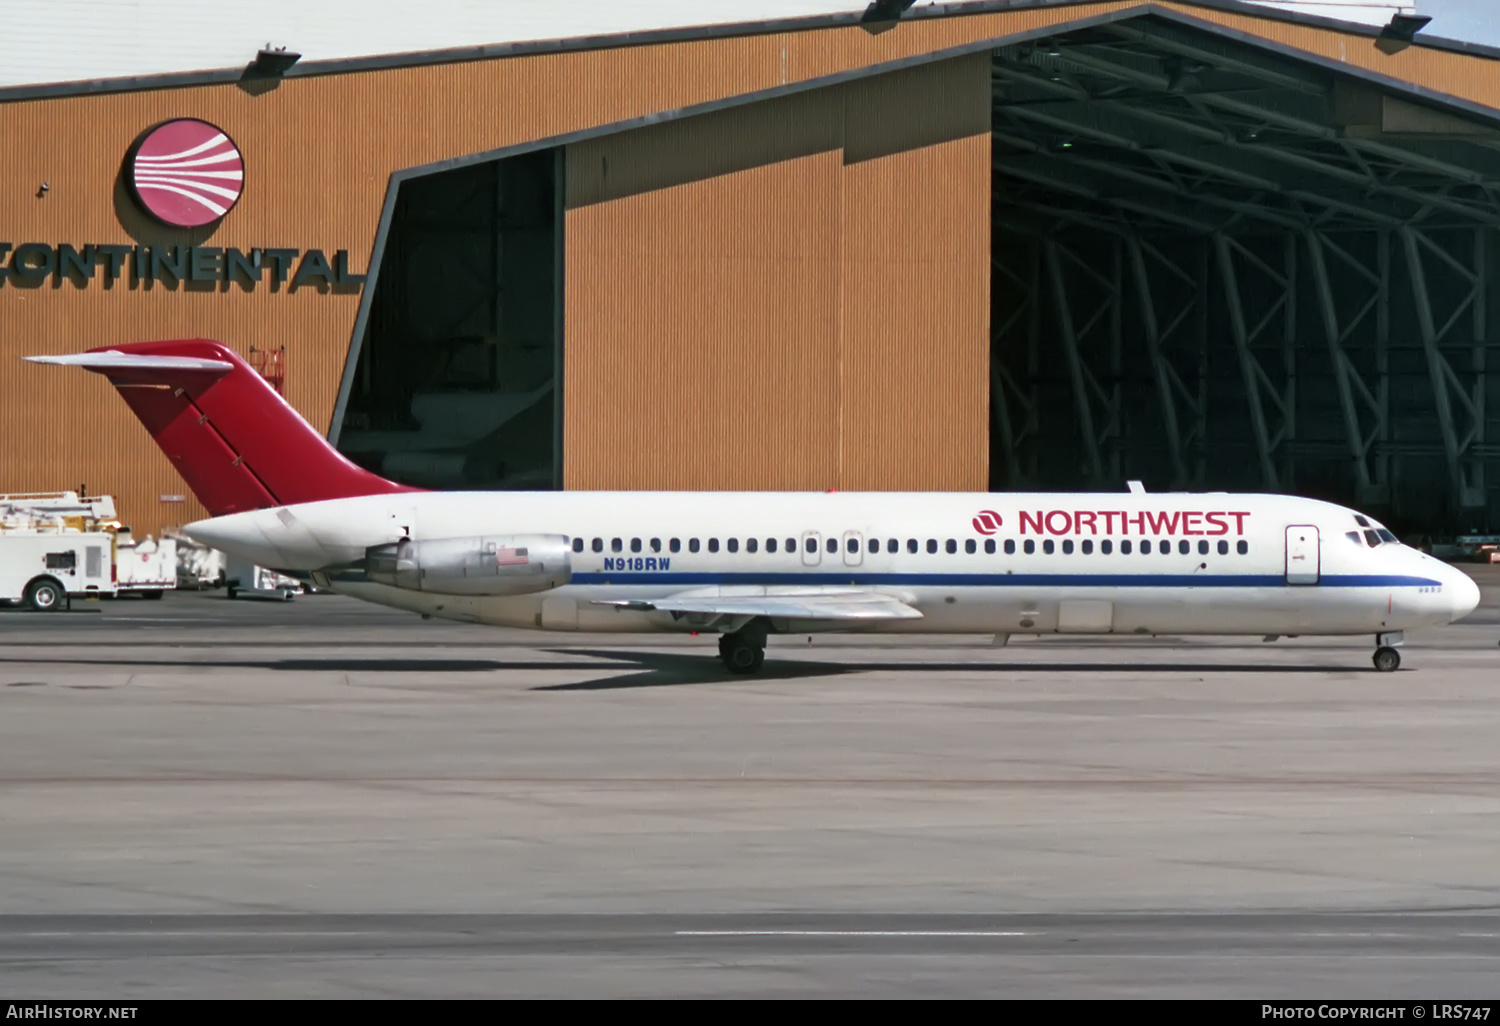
<point x="666" y="669"/>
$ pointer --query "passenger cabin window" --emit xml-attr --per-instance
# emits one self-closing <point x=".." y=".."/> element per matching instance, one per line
<point x="616" y="545"/>
<point x="1223" y="547"/>
<point x="1184" y="546"/>
<point x="1125" y="547"/>
<point x="874" y="546"/>
<point x="751" y="544"/>
<point x="1145" y="546"/>
<point x="1242" y="547"/>
<point x="598" y="545"/>
<point x="892" y="544"/>
<point x="770" y="544"/>
<point x="791" y="545"/>
<point x="1087" y="546"/>
<point x="713" y="545"/>
<point x="675" y="545"/>
<point x="733" y="545"/>
<point x="911" y="545"/>
<point x="1067" y="546"/>
<point x="1106" y="546"/>
<point x="692" y="544"/>
<point x="1048" y="547"/>
<point x="970" y="546"/>
<point x="833" y="545"/>
<point x="1203" y="548"/>
<point x="812" y="545"/>
<point x="655" y="544"/>
<point x="1010" y="547"/>
<point x="932" y="546"/>
<point x="635" y="545"/>
<point x="951" y="546"/>
<point x="851" y="545"/>
<point x="577" y="544"/>
<point x="1030" y="546"/>
<point x="989" y="546"/>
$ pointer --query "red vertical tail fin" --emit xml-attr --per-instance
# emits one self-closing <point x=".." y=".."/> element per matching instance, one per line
<point x="236" y="442"/>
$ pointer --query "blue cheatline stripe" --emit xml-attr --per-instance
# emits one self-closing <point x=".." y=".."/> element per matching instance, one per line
<point x="629" y="577"/>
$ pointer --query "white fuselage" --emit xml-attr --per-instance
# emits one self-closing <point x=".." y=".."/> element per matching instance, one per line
<point x="992" y="563"/>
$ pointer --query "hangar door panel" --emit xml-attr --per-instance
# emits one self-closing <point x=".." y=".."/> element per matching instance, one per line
<point x="455" y="385"/>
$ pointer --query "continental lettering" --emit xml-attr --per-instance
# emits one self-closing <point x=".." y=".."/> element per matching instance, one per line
<point x="28" y="264"/>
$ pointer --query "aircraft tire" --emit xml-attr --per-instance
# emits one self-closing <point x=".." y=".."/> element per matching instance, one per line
<point x="740" y="656"/>
<point x="1387" y="659"/>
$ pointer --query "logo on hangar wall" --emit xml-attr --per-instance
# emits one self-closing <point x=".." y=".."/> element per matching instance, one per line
<point x="186" y="173"/>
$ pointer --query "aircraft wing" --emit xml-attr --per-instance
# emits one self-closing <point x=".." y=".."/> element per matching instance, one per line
<point x="791" y="605"/>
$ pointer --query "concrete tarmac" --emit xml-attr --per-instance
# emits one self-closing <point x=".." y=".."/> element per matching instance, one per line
<point x="201" y="797"/>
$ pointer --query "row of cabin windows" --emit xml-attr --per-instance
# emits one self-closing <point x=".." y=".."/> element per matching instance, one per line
<point x="893" y="545"/>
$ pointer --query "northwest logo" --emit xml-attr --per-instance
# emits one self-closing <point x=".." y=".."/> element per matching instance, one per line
<point x="186" y="173"/>
<point x="987" y="522"/>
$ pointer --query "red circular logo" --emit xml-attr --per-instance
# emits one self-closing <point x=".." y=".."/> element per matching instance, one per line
<point x="987" y="522"/>
<point x="186" y="173"/>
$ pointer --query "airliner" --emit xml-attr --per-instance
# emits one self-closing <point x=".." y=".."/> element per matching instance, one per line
<point x="744" y="565"/>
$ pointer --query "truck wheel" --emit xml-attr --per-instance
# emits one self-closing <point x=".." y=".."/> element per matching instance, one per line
<point x="231" y="592"/>
<point x="45" y="596"/>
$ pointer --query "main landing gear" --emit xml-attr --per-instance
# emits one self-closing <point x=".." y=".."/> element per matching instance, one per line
<point x="744" y="650"/>
<point x="1386" y="657"/>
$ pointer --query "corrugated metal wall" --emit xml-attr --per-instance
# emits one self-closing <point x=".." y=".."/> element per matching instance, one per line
<point x="778" y="296"/>
<point x="320" y="152"/>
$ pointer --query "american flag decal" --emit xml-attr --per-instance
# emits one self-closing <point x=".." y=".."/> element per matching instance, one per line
<point x="186" y="173"/>
<point x="510" y="557"/>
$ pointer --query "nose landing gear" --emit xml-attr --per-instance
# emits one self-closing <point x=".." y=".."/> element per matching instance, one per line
<point x="1386" y="657"/>
<point x="744" y="650"/>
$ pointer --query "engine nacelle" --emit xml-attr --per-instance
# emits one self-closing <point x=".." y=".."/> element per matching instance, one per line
<point x="513" y="564"/>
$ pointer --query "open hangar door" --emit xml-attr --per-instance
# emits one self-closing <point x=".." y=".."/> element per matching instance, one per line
<point x="1217" y="265"/>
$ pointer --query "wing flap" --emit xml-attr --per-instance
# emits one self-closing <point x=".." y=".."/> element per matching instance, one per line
<point x="848" y="605"/>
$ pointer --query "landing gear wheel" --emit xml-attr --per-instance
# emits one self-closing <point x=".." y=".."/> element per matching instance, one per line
<point x="1387" y="659"/>
<point x="740" y="655"/>
<point x="45" y="596"/>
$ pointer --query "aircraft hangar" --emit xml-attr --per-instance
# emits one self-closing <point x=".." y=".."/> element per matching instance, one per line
<point x="1206" y="245"/>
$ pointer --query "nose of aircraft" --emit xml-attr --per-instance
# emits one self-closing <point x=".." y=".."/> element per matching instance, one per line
<point x="1463" y="589"/>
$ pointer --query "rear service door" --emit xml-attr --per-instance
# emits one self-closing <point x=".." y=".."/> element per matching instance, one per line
<point x="1301" y="554"/>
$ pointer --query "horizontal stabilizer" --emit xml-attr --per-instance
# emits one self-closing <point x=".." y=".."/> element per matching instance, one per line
<point x="113" y="360"/>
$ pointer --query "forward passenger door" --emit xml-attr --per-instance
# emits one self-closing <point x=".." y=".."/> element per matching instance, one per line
<point x="1302" y="556"/>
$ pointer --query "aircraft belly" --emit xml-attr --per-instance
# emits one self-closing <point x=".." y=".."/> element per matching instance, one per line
<point x="1268" y="610"/>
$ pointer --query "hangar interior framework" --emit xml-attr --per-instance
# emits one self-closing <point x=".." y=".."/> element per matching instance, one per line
<point x="1216" y="265"/>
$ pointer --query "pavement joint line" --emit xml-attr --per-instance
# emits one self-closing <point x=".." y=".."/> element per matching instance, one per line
<point x="851" y="933"/>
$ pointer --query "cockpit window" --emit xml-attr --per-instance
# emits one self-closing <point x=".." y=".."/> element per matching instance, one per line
<point x="1354" y="537"/>
<point x="1361" y="521"/>
<point x="1372" y="538"/>
<point x="1386" y="536"/>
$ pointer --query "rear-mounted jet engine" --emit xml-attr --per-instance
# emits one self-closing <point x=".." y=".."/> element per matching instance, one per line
<point x="514" y="564"/>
